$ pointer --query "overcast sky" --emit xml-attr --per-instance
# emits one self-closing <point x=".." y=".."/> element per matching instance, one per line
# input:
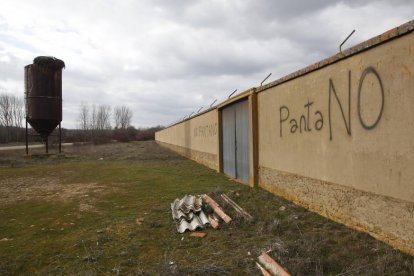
<point x="167" y="58"/>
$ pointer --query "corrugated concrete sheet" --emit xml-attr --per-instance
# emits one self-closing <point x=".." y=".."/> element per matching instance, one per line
<point x="198" y="222"/>
<point x="186" y="207"/>
<point x="188" y="214"/>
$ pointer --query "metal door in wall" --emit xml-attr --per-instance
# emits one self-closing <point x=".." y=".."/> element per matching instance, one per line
<point x="235" y="125"/>
<point x="229" y="138"/>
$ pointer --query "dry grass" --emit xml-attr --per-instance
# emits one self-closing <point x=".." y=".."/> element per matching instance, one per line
<point x="105" y="210"/>
<point x="45" y="188"/>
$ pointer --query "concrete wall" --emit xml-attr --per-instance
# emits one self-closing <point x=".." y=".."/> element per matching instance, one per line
<point x="336" y="137"/>
<point x="344" y="134"/>
<point x="196" y="139"/>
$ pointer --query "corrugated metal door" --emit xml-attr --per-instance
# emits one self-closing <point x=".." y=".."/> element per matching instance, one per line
<point x="235" y="123"/>
<point x="242" y="141"/>
<point x="229" y="137"/>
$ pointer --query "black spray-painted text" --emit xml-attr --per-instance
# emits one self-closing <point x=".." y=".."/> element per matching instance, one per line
<point x="312" y="119"/>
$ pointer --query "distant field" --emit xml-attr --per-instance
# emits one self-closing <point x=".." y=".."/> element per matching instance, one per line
<point x="105" y="210"/>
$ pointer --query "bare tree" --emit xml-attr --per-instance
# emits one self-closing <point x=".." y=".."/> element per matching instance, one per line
<point x="6" y="115"/>
<point x="84" y="122"/>
<point x="95" y="122"/>
<point x="84" y="119"/>
<point x="6" y="118"/>
<point x="18" y="112"/>
<point x="93" y="118"/>
<point x="11" y="115"/>
<point x="122" y="117"/>
<point x="103" y="116"/>
<point x="117" y="117"/>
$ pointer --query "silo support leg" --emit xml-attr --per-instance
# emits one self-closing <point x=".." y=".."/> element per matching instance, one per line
<point x="60" y="138"/>
<point x="27" y="142"/>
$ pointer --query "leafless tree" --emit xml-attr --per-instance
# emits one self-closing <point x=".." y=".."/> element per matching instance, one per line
<point x="93" y="118"/>
<point x="117" y="117"/>
<point x="18" y="112"/>
<point x="84" y="122"/>
<point x="103" y="116"/>
<point x="11" y="116"/>
<point x="122" y="117"/>
<point x="84" y="119"/>
<point x="6" y="114"/>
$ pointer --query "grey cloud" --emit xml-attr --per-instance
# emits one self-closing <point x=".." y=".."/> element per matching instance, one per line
<point x="166" y="58"/>
<point x="359" y="3"/>
<point x="12" y="69"/>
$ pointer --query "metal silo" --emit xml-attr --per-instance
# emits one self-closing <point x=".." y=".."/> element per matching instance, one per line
<point x="43" y="96"/>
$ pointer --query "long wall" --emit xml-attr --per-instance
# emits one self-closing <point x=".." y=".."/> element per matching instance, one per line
<point x="335" y="137"/>
<point x="339" y="140"/>
<point x="196" y="139"/>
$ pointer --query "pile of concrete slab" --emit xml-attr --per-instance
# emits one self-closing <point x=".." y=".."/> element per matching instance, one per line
<point x="188" y="214"/>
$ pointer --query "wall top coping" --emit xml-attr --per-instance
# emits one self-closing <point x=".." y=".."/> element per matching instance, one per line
<point x="236" y="98"/>
<point x="193" y="116"/>
<point x="394" y="33"/>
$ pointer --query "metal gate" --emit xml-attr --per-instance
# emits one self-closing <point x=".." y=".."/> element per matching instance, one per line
<point x="235" y="125"/>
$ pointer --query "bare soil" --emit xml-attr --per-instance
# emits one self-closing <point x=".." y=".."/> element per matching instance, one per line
<point x="45" y="188"/>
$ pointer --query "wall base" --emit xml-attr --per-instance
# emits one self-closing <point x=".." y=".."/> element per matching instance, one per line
<point x="204" y="158"/>
<point x="385" y="218"/>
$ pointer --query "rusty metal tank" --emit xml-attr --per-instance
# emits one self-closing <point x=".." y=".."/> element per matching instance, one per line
<point x="43" y="94"/>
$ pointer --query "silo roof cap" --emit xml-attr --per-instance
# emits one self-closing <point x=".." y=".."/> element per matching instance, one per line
<point x="51" y="63"/>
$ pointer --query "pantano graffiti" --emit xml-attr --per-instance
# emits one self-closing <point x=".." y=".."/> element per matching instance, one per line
<point x="205" y="131"/>
<point x="314" y="120"/>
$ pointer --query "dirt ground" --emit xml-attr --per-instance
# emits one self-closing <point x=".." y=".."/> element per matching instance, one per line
<point x="146" y="150"/>
<point x="47" y="188"/>
<point x="105" y="210"/>
<point x="28" y="188"/>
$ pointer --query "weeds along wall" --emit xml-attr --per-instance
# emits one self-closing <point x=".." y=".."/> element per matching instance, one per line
<point x="336" y="137"/>
<point x="196" y="139"/>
